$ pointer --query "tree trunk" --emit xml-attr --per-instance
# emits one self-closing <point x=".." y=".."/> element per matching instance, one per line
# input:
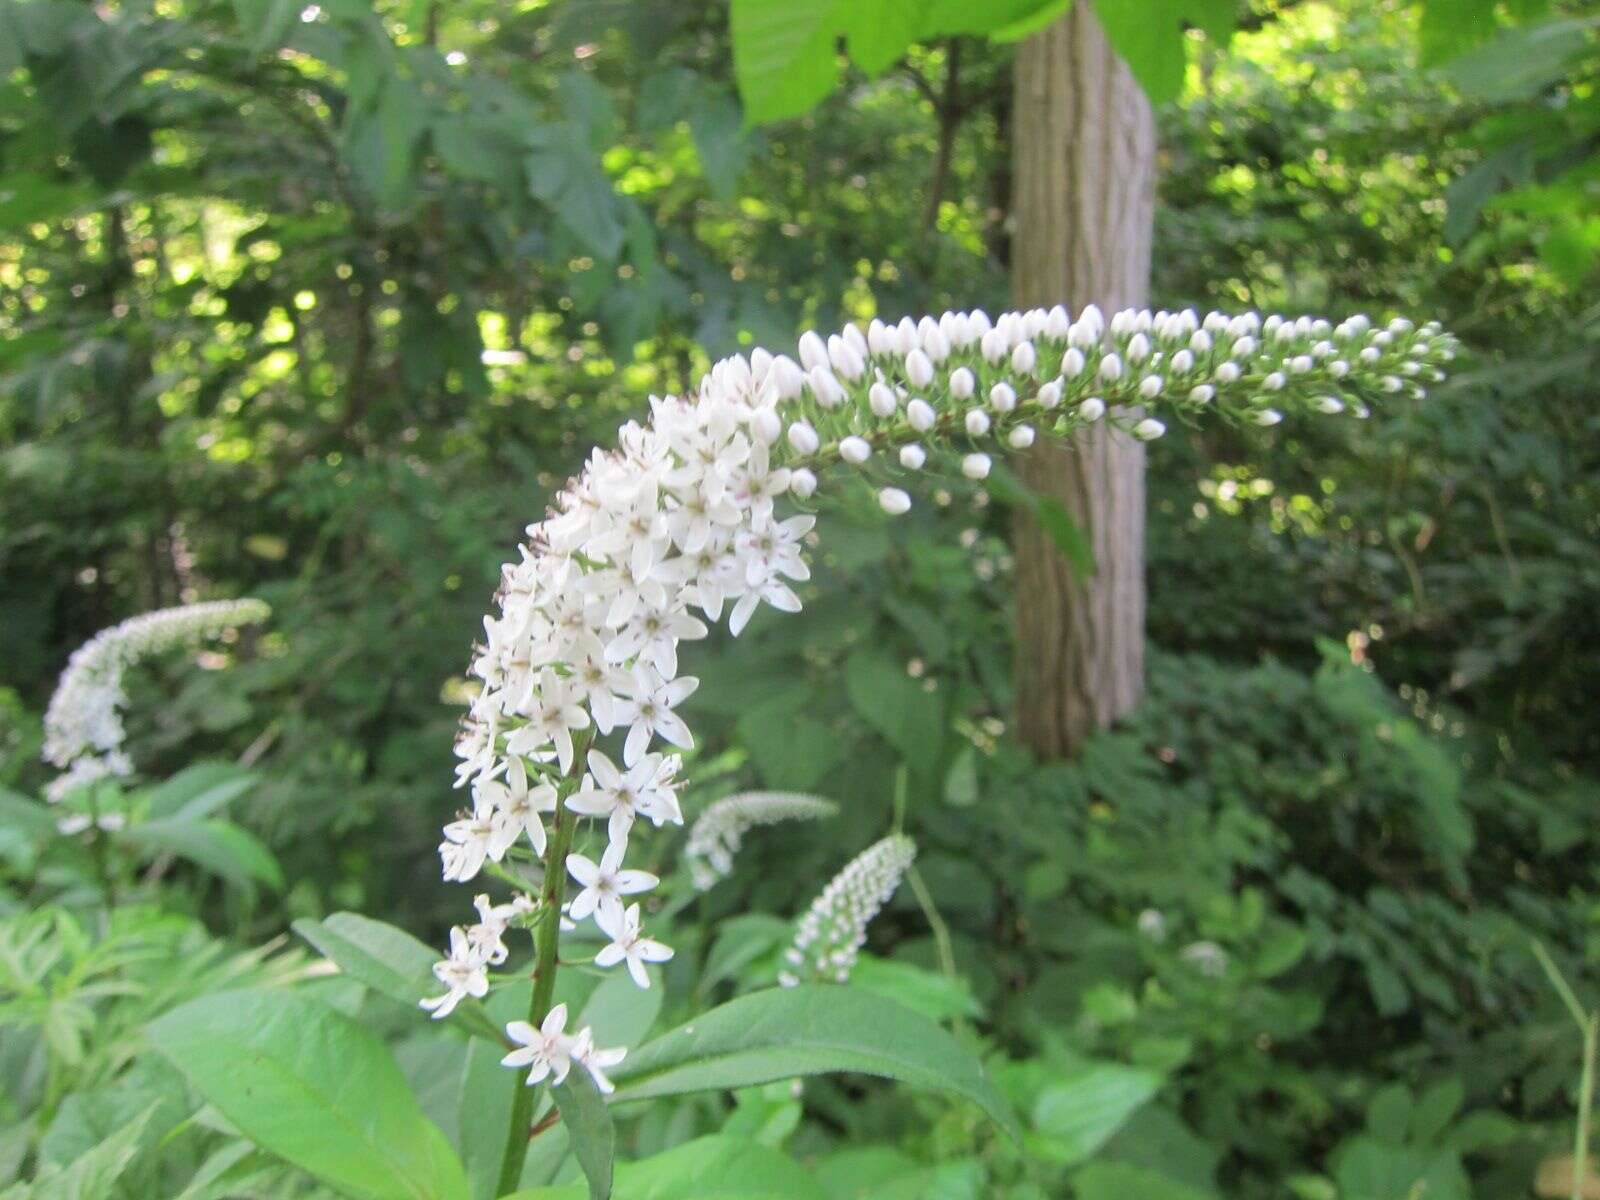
<point x="1084" y="180"/>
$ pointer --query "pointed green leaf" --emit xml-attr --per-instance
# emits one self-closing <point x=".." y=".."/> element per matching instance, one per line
<point x="786" y="1032"/>
<point x="313" y="1087"/>
<point x="588" y="1122"/>
<point x="221" y="847"/>
<point x="388" y="960"/>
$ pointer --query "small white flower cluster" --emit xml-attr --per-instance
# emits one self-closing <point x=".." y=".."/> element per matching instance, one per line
<point x="83" y="724"/>
<point x="833" y="930"/>
<point x="716" y="836"/>
<point x="687" y="520"/>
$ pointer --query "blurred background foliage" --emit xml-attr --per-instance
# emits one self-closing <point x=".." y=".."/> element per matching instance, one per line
<point x="319" y="303"/>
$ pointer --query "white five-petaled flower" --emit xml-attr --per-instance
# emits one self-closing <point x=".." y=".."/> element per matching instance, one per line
<point x="597" y="1061"/>
<point x="629" y="945"/>
<point x="516" y="805"/>
<point x="605" y="883"/>
<point x="545" y="1051"/>
<point x="465" y="973"/>
<point x="647" y="711"/>
<point x="643" y="789"/>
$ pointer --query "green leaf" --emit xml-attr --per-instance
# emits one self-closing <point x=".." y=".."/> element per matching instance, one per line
<point x="1451" y="27"/>
<point x="937" y="997"/>
<point x="783" y="54"/>
<point x="93" y="1174"/>
<point x="31" y="817"/>
<point x="221" y="847"/>
<point x="878" y="33"/>
<point x="1389" y="1112"/>
<point x="1149" y="36"/>
<point x="390" y="961"/>
<point x="1435" y="1108"/>
<point x="896" y="705"/>
<point x="1075" y="1116"/>
<point x="267" y="21"/>
<point x="1121" y="1181"/>
<point x="1053" y="517"/>
<point x="620" y="1011"/>
<point x="781" y="1033"/>
<point x="588" y="1122"/>
<point x="708" y="1168"/>
<point x="313" y="1087"/>
<point x="199" y="790"/>
<point x="721" y="142"/>
<point x="563" y="173"/>
<point x="1519" y="64"/>
<point x="488" y="1092"/>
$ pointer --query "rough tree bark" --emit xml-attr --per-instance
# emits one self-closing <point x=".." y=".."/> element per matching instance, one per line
<point x="1084" y="193"/>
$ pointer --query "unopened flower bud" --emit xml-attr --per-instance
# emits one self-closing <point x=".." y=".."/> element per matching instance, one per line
<point x="1244" y="347"/>
<point x="1002" y="398"/>
<point x="1138" y="348"/>
<point x="881" y="399"/>
<point x="766" y="425"/>
<point x="894" y="501"/>
<point x="1024" y="358"/>
<point x="1050" y="395"/>
<point x="827" y="389"/>
<point x="1150" y="386"/>
<point x="1110" y="368"/>
<point x="913" y="457"/>
<point x="1021" y="437"/>
<point x="855" y="450"/>
<point x="813" y="350"/>
<point x="786" y="376"/>
<point x="919" y="370"/>
<point x="1200" y="341"/>
<point x="920" y="415"/>
<point x="977" y="422"/>
<point x="1338" y="368"/>
<point x="1228" y="372"/>
<point x="803" y="438"/>
<point x="962" y="383"/>
<point x="1274" y="382"/>
<point x="1267" y="416"/>
<point x="1092" y="409"/>
<point x="1202" y="393"/>
<point x="846" y="359"/>
<point x="1072" y="363"/>
<point x="802" y="482"/>
<point x="1149" y="429"/>
<point x="976" y="466"/>
<point x="1182" y="362"/>
<point x="1329" y="405"/>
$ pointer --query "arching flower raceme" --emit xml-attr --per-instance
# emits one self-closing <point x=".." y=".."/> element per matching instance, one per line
<point x="83" y="731"/>
<point x="698" y="513"/>
<point x="715" y="837"/>
<point x="834" y="928"/>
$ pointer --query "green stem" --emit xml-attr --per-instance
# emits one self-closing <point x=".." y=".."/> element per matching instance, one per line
<point x="1580" y="1147"/>
<point x="547" y="938"/>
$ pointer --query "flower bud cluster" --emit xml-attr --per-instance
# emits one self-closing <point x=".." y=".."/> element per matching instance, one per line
<point x="831" y="933"/>
<point x="715" y="838"/>
<point x="83" y="731"/>
<point x="691" y="519"/>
